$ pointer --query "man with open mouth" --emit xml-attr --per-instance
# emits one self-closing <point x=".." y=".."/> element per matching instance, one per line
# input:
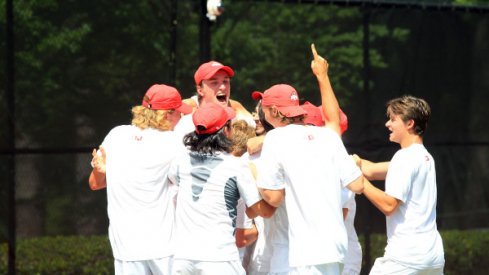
<point x="213" y="84"/>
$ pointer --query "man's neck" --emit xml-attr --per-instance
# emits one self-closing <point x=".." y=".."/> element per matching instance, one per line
<point x="410" y="140"/>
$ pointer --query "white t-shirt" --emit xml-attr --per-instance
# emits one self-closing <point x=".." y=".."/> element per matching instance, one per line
<point x="413" y="238"/>
<point x="312" y="165"/>
<point x="209" y="189"/>
<point x="185" y="125"/>
<point x="242" y="222"/>
<point x="140" y="199"/>
<point x="353" y="258"/>
<point x="262" y="253"/>
<point x="279" y="240"/>
<point x="272" y="248"/>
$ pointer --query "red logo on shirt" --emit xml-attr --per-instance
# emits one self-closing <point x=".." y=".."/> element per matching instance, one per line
<point x="427" y="158"/>
<point x="310" y="137"/>
<point x="138" y="138"/>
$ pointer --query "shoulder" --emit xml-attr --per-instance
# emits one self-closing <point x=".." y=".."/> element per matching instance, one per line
<point x="190" y="101"/>
<point x="122" y="129"/>
<point x="413" y="151"/>
<point x="239" y="108"/>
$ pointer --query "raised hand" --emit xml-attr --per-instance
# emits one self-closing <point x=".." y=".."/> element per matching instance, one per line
<point x="319" y="65"/>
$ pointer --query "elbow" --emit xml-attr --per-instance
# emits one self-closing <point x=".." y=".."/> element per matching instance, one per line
<point x="264" y="209"/>
<point x="387" y="212"/>
<point x="359" y="190"/>
<point x="273" y="198"/>
<point x="96" y="185"/>
<point x="358" y="185"/>
<point x="266" y="214"/>
<point x="240" y="244"/>
<point x="389" y="209"/>
<point x="274" y="203"/>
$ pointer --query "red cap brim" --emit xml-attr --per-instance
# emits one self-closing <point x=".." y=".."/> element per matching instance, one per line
<point x="291" y="111"/>
<point x="257" y="95"/>
<point x="211" y="73"/>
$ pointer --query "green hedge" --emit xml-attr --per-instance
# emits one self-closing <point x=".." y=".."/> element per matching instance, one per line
<point x="61" y="255"/>
<point x="466" y="252"/>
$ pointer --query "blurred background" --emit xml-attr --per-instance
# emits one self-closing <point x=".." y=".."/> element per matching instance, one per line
<point x="72" y="70"/>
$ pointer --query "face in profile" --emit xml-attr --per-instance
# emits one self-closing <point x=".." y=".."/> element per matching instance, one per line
<point x="259" y="130"/>
<point x="397" y="127"/>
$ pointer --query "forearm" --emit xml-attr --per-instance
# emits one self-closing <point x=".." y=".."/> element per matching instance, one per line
<point x="374" y="171"/>
<point x="261" y="208"/>
<point x="330" y="105"/>
<point x="272" y="197"/>
<point x="97" y="180"/>
<point x="385" y="203"/>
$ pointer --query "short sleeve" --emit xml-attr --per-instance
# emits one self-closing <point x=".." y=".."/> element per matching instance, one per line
<point x="270" y="173"/>
<point x="399" y="176"/>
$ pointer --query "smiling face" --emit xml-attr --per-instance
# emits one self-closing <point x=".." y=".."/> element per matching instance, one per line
<point x="215" y="89"/>
<point x="399" y="129"/>
<point x="259" y="130"/>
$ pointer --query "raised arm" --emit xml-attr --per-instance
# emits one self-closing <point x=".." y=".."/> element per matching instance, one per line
<point x="331" y="108"/>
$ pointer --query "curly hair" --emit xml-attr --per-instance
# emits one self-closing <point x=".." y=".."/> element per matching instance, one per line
<point x="241" y="133"/>
<point x="143" y="118"/>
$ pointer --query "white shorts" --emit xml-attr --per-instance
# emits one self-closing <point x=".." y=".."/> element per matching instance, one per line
<point x="384" y="266"/>
<point x="160" y="266"/>
<point x="350" y="270"/>
<point x="322" y="269"/>
<point x="189" y="267"/>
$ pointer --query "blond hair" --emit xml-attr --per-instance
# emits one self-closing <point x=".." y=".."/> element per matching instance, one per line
<point x="143" y="118"/>
<point x="241" y="133"/>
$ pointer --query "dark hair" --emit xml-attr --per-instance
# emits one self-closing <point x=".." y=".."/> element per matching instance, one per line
<point x="410" y="107"/>
<point x="261" y="115"/>
<point x="209" y="144"/>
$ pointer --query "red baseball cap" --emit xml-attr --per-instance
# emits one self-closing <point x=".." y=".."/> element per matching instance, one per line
<point x="163" y="97"/>
<point x="343" y="120"/>
<point x="314" y="116"/>
<point x="212" y="117"/>
<point x="284" y="97"/>
<point x="209" y="69"/>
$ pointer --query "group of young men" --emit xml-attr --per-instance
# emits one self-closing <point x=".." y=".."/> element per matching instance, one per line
<point x="182" y="197"/>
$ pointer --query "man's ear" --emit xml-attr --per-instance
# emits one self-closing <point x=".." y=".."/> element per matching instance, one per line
<point x="410" y="124"/>
<point x="228" y="131"/>
<point x="199" y="89"/>
<point x="275" y="111"/>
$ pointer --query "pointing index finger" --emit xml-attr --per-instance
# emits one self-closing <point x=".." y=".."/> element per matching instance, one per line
<point x="314" y="52"/>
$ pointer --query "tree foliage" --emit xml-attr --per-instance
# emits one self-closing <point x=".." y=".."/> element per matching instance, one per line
<point x="269" y="43"/>
<point x="81" y="65"/>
